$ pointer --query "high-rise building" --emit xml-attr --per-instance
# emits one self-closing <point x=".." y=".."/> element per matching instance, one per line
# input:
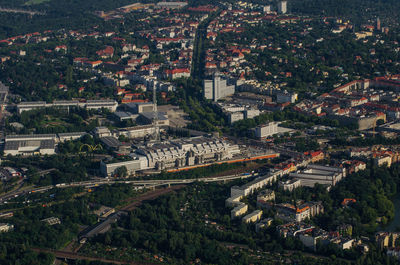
<point x="217" y="88"/>
<point x="282" y="7"/>
<point x="378" y="24"/>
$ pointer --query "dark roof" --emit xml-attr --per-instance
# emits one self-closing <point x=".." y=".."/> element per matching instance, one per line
<point x="111" y="141"/>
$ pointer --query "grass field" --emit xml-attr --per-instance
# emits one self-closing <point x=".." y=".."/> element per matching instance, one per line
<point x="35" y="2"/>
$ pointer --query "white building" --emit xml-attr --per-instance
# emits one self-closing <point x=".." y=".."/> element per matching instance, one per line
<point x="267" y="130"/>
<point x="235" y="116"/>
<point x="102" y="132"/>
<point x="187" y="152"/>
<point x="109" y="168"/>
<point x="171" y="5"/>
<point x="251" y="113"/>
<point x="324" y="175"/>
<point x="217" y="88"/>
<point x="62" y="137"/>
<point x="290" y="185"/>
<point x="35" y="144"/>
<point x="109" y="104"/>
<point x="282" y="7"/>
<point x="136" y="132"/>
<point x="252" y="186"/>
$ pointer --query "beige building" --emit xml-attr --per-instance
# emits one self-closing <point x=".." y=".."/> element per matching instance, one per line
<point x="383" y="160"/>
<point x="239" y="210"/>
<point x="252" y="217"/>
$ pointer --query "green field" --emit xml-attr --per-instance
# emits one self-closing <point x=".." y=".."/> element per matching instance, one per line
<point x="35" y="2"/>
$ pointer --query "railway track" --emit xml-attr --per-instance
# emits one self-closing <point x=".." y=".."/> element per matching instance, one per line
<point x="74" y="256"/>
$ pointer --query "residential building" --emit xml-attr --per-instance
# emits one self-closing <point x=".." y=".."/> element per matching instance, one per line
<point x="252" y="217"/>
<point x="239" y="210"/>
<point x="290" y="185"/>
<point x="264" y="131"/>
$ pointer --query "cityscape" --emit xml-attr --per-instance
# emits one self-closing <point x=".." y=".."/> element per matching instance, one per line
<point x="200" y="132"/>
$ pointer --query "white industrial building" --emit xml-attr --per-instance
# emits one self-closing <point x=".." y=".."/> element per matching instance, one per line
<point x="139" y="107"/>
<point x="174" y="154"/>
<point x="217" y="88"/>
<point x="136" y="132"/>
<point x="237" y="112"/>
<point x="109" y="104"/>
<point x="171" y="5"/>
<point x="62" y="137"/>
<point x="37" y="144"/>
<point x="108" y="168"/>
<point x="324" y="175"/>
<point x="101" y="131"/>
<point x="187" y="152"/>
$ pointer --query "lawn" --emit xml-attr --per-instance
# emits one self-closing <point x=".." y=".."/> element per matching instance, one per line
<point x="35" y="2"/>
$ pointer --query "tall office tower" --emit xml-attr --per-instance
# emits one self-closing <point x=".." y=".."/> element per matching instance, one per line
<point x="378" y="24"/>
<point x="217" y="88"/>
<point x="282" y="7"/>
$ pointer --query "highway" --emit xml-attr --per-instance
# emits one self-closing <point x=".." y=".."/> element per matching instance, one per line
<point x="140" y="183"/>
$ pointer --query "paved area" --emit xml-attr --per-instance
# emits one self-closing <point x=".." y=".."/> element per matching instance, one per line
<point x="177" y="118"/>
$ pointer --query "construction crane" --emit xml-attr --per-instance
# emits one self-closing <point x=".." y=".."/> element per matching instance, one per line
<point x="155" y="118"/>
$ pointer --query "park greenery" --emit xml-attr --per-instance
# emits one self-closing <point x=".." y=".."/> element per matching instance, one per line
<point x="194" y="222"/>
<point x="51" y="170"/>
<point x="359" y="11"/>
<point x="53" y="120"/>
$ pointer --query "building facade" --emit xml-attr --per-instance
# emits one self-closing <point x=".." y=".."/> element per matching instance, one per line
<point x="217" y="88"/>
